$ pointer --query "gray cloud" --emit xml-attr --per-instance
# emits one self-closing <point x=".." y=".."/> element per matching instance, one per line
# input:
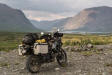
<point x="40" y="15"/>
<point x="45" y="9"/>
<point x="55" y="6"/>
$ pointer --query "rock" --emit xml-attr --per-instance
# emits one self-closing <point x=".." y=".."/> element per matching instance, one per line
<point x="57" y="69"/>
<point x="15" y="70"/>
<point x="101" y="49"/>
<point x="5" y="73"/>
<point x="78" y="71"/>
<point x="0" y="67"/>
<point x="68" y="73"/>
<point x="72" y="49"/>
<point x="105" y="53"/>
<point x="67" y="48"/>
<point x="0" y="57"/>
<point x="104" y="73"/>
<point x="90" y="46"/>
<point x="23" y="68"/>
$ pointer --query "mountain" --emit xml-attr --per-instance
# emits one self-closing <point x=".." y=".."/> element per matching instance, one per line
<point x="96" y="19"/>
<point x="14" y="20"/>
<point x="49" y="25"/>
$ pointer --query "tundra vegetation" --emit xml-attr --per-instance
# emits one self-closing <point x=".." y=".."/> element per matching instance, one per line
<point x="79" y="39"/>
<point x="10" y="41"/>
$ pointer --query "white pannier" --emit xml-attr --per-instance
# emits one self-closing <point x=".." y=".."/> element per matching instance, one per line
<point x="40" y="48"/>
<point x="21" y="50"/>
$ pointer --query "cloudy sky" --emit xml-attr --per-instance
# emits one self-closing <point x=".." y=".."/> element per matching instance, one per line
<point x="53" y="9"/>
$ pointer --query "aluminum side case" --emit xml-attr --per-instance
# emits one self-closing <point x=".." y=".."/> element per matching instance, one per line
<point x="21" y="50"/>
<point x="40" y="48"/>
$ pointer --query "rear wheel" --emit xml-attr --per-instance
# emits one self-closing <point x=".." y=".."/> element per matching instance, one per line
<point x="33" y="64"/>
<point x="62" y="58"/>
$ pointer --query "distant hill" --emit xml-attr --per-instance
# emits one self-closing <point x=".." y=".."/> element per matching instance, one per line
<point x="96" y="19"/>
<point x="14" y="20"/>
<point x="49" y="25"/>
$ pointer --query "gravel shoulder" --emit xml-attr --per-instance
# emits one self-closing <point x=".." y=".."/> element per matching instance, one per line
<point x="78" y="63"/>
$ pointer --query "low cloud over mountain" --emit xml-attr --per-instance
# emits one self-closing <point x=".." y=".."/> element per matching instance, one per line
<point x="96" y="19"/>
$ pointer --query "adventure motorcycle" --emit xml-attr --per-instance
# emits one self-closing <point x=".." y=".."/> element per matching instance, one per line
<point x="43" y="49"/>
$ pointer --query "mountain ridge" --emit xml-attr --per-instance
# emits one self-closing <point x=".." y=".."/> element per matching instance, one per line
<point x="14" y="20"/>
<point x="95" y="19"/>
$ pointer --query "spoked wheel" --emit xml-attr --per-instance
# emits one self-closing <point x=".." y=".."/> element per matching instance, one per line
<point x="62" y="58"/>
<point x="33" y="64"/>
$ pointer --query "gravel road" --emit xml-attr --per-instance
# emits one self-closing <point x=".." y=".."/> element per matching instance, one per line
<point x="78" y="63"/>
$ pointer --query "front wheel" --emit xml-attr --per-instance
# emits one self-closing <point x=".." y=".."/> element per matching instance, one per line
<point x="33" y="64"/>
<point x="62" y="58"/>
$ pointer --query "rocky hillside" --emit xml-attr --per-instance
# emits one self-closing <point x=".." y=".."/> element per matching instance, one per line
<point x="96" y="19"/>
<point x="14" y="20"/>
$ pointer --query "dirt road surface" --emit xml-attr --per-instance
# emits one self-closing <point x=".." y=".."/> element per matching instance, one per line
<point x="78" y="64"/>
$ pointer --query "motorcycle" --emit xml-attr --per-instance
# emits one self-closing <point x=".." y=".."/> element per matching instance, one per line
<point x="43" y="49"/>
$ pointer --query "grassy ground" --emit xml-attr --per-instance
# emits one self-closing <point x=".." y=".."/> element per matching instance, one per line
<point x="71" y="39"/>
<point x="9" y="41"/>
